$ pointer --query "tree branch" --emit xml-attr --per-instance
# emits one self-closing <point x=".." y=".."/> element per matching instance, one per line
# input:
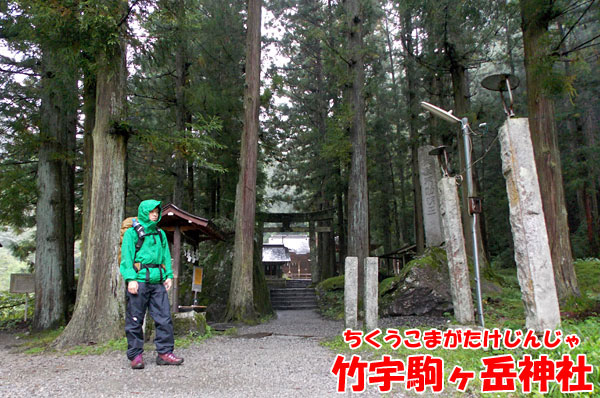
<point x="4" y="164"/>
<point x="580" y="46"/>
<point x="129" y="10"/>
<point x="18" y="72"/>
<point x="573" y="26"/>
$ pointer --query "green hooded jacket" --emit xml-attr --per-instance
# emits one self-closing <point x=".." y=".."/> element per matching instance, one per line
<point x="152" y="250"/>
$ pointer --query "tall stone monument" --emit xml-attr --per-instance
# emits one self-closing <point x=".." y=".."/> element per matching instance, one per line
<point x="351" y="292"/>
<point x="371" y="292"/>
<point x="429" y="175"/>
<point x="460" y="283"/>
<point x="532" y="251"/>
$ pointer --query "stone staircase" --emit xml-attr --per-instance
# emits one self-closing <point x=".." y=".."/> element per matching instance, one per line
<point x="296" y="295"/>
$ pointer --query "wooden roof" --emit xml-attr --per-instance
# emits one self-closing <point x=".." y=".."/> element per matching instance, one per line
<point x="190" y="225"/>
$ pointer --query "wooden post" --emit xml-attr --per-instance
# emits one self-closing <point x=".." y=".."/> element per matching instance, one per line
<point x="176" y="256"/>
<point x="259" y="247"/>
<point x="332" y="259"/>
<point x="322" y="260"/>
<point x="314" y="271"/>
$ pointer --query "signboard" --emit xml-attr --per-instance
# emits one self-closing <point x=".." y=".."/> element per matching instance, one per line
<point x="22" y="283"/>
<point x="197" y="280"/>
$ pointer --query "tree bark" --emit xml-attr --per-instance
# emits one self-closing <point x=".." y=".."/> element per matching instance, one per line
<point x="341" y="225"/>
<point x="411" y="96"/>
<point x="181" y="113"/>
<point x="241" y="300"/>
<point x="99" y="310"/>
<point x="399" y="231"/>
<point x="89" y="111"/>
<point x="462" y="104"/>
<point x="358" y="199"/>
<point x="54" y="275"/>
<point x="535" y="17"/>
<point x="590" y="123"/>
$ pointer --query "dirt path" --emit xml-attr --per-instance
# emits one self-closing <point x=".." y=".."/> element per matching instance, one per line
<point x="282" y="358"/>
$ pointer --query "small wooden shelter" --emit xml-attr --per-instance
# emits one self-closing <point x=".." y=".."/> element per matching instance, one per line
<point x="274" y="257"/>
<point x="178" y="224"/>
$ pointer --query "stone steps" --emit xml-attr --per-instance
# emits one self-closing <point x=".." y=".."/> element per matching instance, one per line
<point x="294" y="298"/>
<point x="295" y="283"/>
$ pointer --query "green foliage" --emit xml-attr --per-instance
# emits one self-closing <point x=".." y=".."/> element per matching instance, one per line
<point x="330" y="297"/>
<point x="15" y="255"/>
<point x="99" y="349"/>
<point x="506" y="311"/>
<point x="588" y="279"/>
<point x="12" y="310"/>
<point x="207" y="36"/>
<point x="588" y="276"/>
<point x="335" y="283"/>
<point x="194" y="338"/>
<point x="39" y="342"/>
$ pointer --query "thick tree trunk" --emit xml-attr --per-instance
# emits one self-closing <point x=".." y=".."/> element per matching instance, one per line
<point x="89" y="111"/>
<point x="590" y="123"/>
<point x="68" y="197"/>
<point x="341" y="226"/>
<point x="181" y="113"/>
<point x="461" y="94"/>
<point x="54" y="277"/>
<point x="358" y="199"/>
<point x="99" y="310"/>
<point x="241" y="300"/>
<point x="387" y="210"/>
<point x="413" y="129"/>
<point x="535" y="17"/>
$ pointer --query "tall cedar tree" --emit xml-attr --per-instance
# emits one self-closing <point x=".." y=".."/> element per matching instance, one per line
<point x="536" y="16"/>
<point x="358" y="197"/>
<point x="99" y="309"/>
<point x="241" y="300"/>
<point x="54" y="255"/>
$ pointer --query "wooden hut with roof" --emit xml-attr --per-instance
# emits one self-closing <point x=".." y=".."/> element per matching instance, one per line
<point x="178" y="224"/>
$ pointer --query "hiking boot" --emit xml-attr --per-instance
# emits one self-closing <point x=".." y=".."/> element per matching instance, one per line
<point x="138" y="362"/>
<point x="168" y="359"/>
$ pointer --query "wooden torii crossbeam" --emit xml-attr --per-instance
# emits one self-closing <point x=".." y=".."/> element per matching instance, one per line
<point x="321" y="239"/>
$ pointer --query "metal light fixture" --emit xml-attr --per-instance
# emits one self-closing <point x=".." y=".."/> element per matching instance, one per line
<point x="439" y="112"/>
<point x="474" y="202"/>
<point x="442" y="154"/>
<point x="503" y="82"/>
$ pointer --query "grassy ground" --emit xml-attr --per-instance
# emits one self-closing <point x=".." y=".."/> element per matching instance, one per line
<point x="37" y="343"/>
<point x="581" y="316"/>
<point x="505" y="311"/>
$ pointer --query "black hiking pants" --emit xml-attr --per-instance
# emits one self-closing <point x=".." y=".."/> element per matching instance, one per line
<point x="152" y="297"/>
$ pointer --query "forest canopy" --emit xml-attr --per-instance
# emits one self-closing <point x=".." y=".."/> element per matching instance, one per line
<point x="182" y="92"/>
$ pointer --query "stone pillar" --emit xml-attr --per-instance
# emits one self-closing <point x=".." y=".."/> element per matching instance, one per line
<point x="429" y="175"/>
<point x="532" y="251"/>
<point x="371" y="292"/>
<point x="351" y="292"/>
<point x="460" y="285"/>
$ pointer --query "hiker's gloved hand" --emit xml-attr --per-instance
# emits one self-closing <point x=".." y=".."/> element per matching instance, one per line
<point x="168" y="283"/>
<point x="132" y="287"/>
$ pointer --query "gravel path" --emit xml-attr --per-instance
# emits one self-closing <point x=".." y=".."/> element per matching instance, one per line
<point x="289" y="362"/>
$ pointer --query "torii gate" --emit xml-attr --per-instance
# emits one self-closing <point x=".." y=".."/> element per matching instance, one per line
<point x="320" y="232"/>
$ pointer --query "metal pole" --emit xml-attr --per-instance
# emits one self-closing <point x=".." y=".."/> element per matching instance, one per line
<point x="469" y="175"/>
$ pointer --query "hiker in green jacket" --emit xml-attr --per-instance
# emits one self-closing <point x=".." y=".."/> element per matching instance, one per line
<point x="146" y="268"/>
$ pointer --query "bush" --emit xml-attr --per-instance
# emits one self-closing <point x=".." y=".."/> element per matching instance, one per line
<point x="12" y="309"/>
<point x="330" y="297"/>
